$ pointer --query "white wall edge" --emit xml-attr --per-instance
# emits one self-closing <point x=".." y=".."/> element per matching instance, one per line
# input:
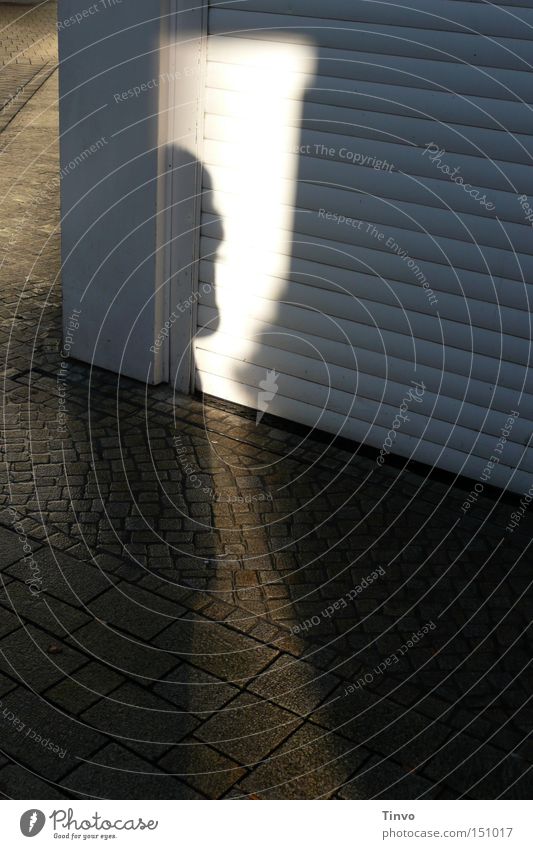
<point x="190" y="34"/>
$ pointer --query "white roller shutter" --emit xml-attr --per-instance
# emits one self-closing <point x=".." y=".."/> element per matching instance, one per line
<point x="340" y="258"/>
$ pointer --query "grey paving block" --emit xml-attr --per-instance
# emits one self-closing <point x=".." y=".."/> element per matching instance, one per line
<point x="216" y="649"/>
<point x="123" y="654"/>
<point x="12" y="548"/>
<point x="17" y="782"/>
<point x="43" y="609"/>
<point x="140" y="718"/>
<point x="520" y="788"/>
<point x="69" y="579"/>
<point x="380" y="724"/>
<point x="311" y="764"/>
<point x="116" y="773"/>
<point x="294" y="684"/>
<point x="167" y="599"/>
<point x="27" y="656"/>
<point x="210" y="772"/>
<point x="248" y="729"/>
<point x="492" y="777"/>
<point x="9" y="621"/>
<point x="382" y="778"/>
<point x="132" y="611"/>
<point x="6" y="684"/>
<point x="84" y="687"/>
<point x="42" y="738"/>
<point x="194" y="690"/>
<point x="473" y="768"/>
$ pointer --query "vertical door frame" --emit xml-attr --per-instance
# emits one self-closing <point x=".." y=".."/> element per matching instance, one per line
<point x="188" y="60"/>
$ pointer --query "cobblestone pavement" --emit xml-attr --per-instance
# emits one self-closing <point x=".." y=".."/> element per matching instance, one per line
<point x="28" y="55"/>
<point x="194" y="606"/>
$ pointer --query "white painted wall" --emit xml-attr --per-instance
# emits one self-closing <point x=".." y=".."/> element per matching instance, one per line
<point x="112" y="271"/>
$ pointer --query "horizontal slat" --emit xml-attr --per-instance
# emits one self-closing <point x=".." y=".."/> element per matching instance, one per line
<point x="373" y="413"/>
<point x="266" y="355"/>
<point x="504" y="180"/>
<point x="478" y="366"/>
<point x="341" y="245"/>
<point x="368" y="289"/>
<point x="374" y="38"/>
<point x="339" y="317"/>
<point x="396" y="100"/>
<point x="498" y="145"/>
<point x="487" y="19"/>
<point x="414" y="180"/>
<point x="380" y="364"/>
<point x="315" y="203"/>
<point x="329" y="244"/>
<point x="308" y="261"/>
<point x="431" y="454"/>
<point x="496" y="83"/>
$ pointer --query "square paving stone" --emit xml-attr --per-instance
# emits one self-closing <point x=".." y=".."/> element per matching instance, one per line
<point x="464" y="761"/>
<point x="204" y="768"/>
<point x="451" y="754"/>
<point x="194" y="690"/>
<point x="217" y="649"/>
<point x="171" y="592"/>
<point x="294" y="684"/>
<point x="19" y="783"/>
<point x="43" y="738"/>
<point x="43" y="610"/>
<point x="311" y="764"/>
<point x="248" y="729"/>
<point x="12" y="547"/>
<point x="378" y="723"/>
<point x="26" y="656"/>
<point x="382" y="778"/>
<point x="411" y="743"/>
<point x="65" y="577"/>
<point x="167" y="600"/>
<point x="506" y="776"/>
<point x="117" y="773"/>
<point x="6" y="684"/>
<point x="125" y="655"/>
<point x="128" y="611"/>
<point x="519" y="789"/>
<point x="140" y="719"/>
<point x="84" y="687"/>
<point x="8" y="621"/>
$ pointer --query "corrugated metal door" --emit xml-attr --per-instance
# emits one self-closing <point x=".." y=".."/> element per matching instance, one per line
<point x="366" y="238"/>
